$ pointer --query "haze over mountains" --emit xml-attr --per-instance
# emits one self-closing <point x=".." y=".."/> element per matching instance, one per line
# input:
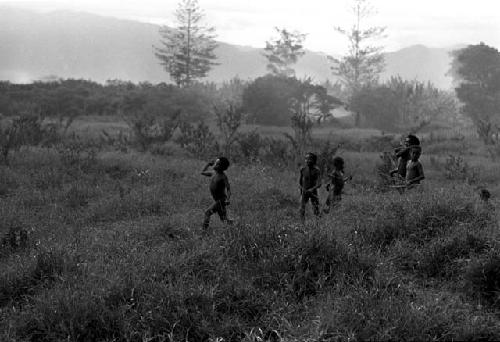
<point x="80" y="45"/>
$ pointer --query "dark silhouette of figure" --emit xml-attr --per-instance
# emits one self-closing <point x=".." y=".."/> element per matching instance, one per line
<point x="309" y="183"/>
<point x="336" y="184"/>
<point x="219" y="188"/>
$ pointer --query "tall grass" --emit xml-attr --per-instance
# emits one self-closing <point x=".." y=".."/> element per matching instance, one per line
<point x="116" y="252"/>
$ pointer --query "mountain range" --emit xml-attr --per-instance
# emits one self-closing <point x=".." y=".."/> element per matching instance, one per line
<point x="81" y="45"/>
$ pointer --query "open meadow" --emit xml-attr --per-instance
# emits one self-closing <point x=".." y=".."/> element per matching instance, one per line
<point x="115" y="250"/>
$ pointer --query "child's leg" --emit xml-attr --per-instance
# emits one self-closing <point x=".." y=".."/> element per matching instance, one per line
<point x="315" y="204"/>
<point x="328" y="201"/>
<point x="303" y="201"/>
<point x="222" y="211"/>
<point x="210" y="211"/>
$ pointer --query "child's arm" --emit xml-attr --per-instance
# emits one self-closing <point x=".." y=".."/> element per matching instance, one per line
<point x="401" y="151"/>
<point x="228" y="188"/>
<point x="300" y="181"/>
<point x="204" y="172"/>
<point x="316" y="186"/>
<point x="420" y="175"/>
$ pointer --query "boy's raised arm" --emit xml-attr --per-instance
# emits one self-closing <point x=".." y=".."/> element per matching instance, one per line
<point x="204" y="172"/>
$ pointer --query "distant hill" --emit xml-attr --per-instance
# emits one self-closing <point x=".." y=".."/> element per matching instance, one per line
<point x="80" y="45"/>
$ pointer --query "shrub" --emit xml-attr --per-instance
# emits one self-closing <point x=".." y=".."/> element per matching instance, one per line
<point x="20" y="131"/>
<point x="328" y="151"/>
<point x="198" y="140"/>
<point x="277" y="152"/>
<point x="77" y="154"/>
<point x="457" y="168"/>
<point x="250" y="145"/>
<point x="149" y="129"/>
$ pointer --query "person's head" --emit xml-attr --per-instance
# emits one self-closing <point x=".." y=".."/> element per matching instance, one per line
<point x="221" y="164"/>
<point x="415" y="153"/>
<point x="338" y="163"/>
<point x="411" y="140"/>
<point x="310" y="159"/>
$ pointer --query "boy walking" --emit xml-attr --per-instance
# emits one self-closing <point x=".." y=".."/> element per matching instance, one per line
<point x="219" y="188"/>
<point x="336" y="185"/>
<point x="309" y="183"/>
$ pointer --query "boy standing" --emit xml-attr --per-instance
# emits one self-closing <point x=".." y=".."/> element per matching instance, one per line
<point x="337" y="181"/>
<point x="414" y="169"/>
<point x="219" y="185"/>
<point x="309" y="183"/>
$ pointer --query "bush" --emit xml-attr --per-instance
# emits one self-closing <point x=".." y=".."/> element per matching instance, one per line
<point x="148" y="129"/>
<point x="277" y="152"/>
<point x="198" y="140"/>
<point x="456" y="168"/>
<point x="250" y="145"/>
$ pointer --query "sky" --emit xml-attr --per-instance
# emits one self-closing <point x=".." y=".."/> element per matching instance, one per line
<point x="434" y="23"/>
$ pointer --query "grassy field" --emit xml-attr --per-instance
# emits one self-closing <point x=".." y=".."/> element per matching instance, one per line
<point x="116" y="252"/>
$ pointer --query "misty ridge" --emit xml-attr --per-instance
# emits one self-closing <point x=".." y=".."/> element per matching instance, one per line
<point x="68" y="44"/>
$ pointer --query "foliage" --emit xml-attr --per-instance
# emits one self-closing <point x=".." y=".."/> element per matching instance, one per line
<point x="284" y="51"/>
<point x="198" y="140"/>
<point x="229" y="121"/>
<point x="266" y="100"/>
<point x="403" y="105"/>
<point x="363" y="63"/>
<point x="377" y="105"/>
<point x="250" y="145"/>
<point x="455" y="167"/>
<point x="273" y="100"/>
<point x="420" y="104"/>
<point x="21" y="131"/>
<point x="327" y="152"/>
<point x="477" y="70"/>
<point x="232" y="91"/>
<point x="187" y="53"/>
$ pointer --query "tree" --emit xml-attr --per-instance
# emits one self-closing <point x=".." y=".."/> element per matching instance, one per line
<point x="379" y="104"/>
<point x="363" y="62"/>
<point x="273" y="100"/>
<point x="419" y="104"/>
<point x="476" y="69"/>
<point x="401" y="105"/>
<point x="229" y="121"/>
<point x="187" y="53"/>
<point x="284" y="51"/>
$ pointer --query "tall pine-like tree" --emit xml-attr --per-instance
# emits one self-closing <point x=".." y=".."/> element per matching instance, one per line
<point x="187" y="52"/>
<point x="284" y="51"/>
<point x="363" y="62"/>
